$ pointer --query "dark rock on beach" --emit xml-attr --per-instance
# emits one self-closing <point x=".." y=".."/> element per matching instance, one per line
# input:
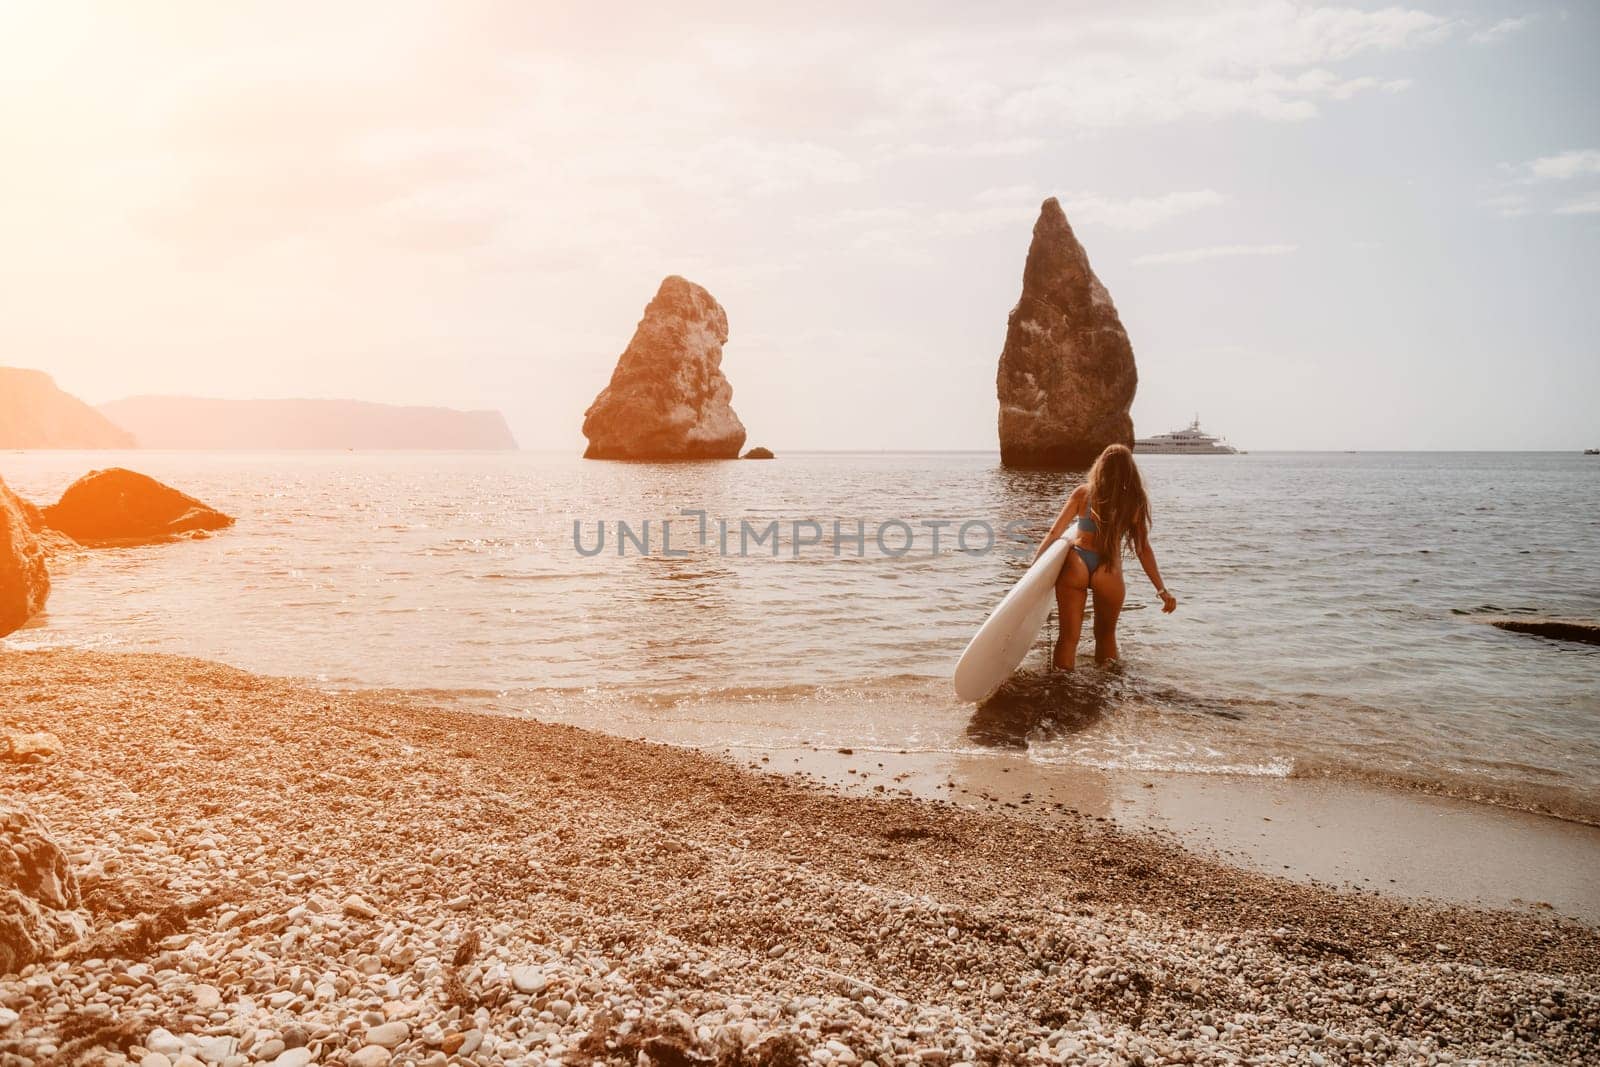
<point x="759" y="453"/>
<point x="24" y="581"/>
<point x="122" y="507"/>
<point x="1067" y="374"/>
<point x="668" y="398"/>
<point x="38" y="893"/>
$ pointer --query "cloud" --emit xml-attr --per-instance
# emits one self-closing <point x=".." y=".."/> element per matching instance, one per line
<point x="1503" y="28"/>
<point x="1136" y="212"/>
<point x="1587" y="204"/>
<point x="1199" y="255"/>
<point x="503" y="127"/>
<point x="1530" y="186"/>
<point x="1017" y="206"/>
<point x="1508" y="205"/>
<point x="1564" y="166"/>
<point x="1269" y="61"/>
<point x="992" y="148"/>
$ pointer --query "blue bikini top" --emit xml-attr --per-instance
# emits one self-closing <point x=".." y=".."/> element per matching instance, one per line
<point x="1086" y="523"/>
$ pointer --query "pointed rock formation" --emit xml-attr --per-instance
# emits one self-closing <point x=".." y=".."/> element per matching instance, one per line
<point x="1067" y="376"/>
<point x="24" y="581"/>
<point x="123" y="507"/>
<point x="668" y="398"/>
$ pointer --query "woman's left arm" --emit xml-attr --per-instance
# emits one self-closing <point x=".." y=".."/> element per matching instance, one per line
<point x="1147" y="560"/>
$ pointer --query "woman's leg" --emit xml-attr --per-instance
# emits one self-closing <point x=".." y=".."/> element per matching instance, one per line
<point x="1072" y="589"/>
<point x="1108" y="596"/>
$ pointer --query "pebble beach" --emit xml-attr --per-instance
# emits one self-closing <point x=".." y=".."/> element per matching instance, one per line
<point x="272" y="874"/>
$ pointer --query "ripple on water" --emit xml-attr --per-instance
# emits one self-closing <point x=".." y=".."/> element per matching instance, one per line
<point x="1330" y="621"/>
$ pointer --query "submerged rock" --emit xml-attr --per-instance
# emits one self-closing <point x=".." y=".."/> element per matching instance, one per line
<point x="38" y="893"/>
<point x="122" y="507"/>
<point x="1067" y="375"/>
<point x="1583" y="631"/>
<point x="24" y="580"/>
<point x="759" y="453"/>
<point x="668" y="398"/>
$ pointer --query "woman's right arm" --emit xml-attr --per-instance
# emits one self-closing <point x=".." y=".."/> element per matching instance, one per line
<point x="1147" y="560"/>
<point x="1069" y="511"/>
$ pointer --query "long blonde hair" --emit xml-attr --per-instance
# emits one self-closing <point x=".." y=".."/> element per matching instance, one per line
<point x="1116" y="495"/>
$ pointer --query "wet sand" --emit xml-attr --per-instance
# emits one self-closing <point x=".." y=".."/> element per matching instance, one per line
<point x="280" y="875"/>
<point x="1341" y="834"/>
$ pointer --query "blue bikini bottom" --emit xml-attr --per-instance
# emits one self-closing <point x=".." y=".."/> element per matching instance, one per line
<point x="1091" y="558"/>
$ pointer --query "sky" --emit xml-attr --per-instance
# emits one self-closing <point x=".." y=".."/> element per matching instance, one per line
<point x="1323" y="226"/>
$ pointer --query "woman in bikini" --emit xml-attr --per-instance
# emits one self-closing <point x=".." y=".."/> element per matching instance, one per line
<point x="1111" y="509"/>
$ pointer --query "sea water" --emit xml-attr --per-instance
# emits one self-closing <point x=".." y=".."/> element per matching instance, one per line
<point x="1330" y="618"/>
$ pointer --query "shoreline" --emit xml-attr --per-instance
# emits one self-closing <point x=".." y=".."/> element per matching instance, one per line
<point x="271" y="867"/>
<point x="1342" y="834"/>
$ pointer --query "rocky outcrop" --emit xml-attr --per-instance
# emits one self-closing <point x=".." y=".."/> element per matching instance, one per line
<point x="24" y="581"/>
<point x="759" y="453"/>
<point x="34" y="413"/>
<point x="38" y="893"/>
<point x="123" y="507"/>
<point x="19" y="746"/>
<point x="1581" y="631"/>
<point x="668" y="398"/>
<point x="199" y="422"/>
<point x="1067" y="375"/>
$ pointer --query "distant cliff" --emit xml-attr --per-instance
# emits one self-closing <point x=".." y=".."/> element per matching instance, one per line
<point x="36" y="414"/>
<point x="197" y="422"/>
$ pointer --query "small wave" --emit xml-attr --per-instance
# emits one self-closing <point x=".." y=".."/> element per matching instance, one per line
<point x="1165" y="764"/>
<point x="1552" y="801"/>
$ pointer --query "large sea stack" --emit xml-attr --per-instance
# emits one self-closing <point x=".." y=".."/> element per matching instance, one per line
<point x="668" y="399"/>
<point x="1067" y="376"/>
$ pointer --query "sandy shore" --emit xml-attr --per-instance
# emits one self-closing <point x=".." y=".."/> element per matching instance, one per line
<point x="277" y="874"/>
<point x="1342" y="834"/>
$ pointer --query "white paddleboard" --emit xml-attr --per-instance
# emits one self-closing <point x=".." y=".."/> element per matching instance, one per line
<point x="1003" y="641"/>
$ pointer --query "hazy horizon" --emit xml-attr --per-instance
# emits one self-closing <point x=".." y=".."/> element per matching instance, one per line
<point x="1325" y="227"/>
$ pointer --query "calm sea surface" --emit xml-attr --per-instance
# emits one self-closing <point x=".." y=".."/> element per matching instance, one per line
<point x="1330" y="618"/>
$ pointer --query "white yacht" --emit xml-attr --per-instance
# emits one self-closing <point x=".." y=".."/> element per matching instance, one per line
<point x="1192" y="441"/>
